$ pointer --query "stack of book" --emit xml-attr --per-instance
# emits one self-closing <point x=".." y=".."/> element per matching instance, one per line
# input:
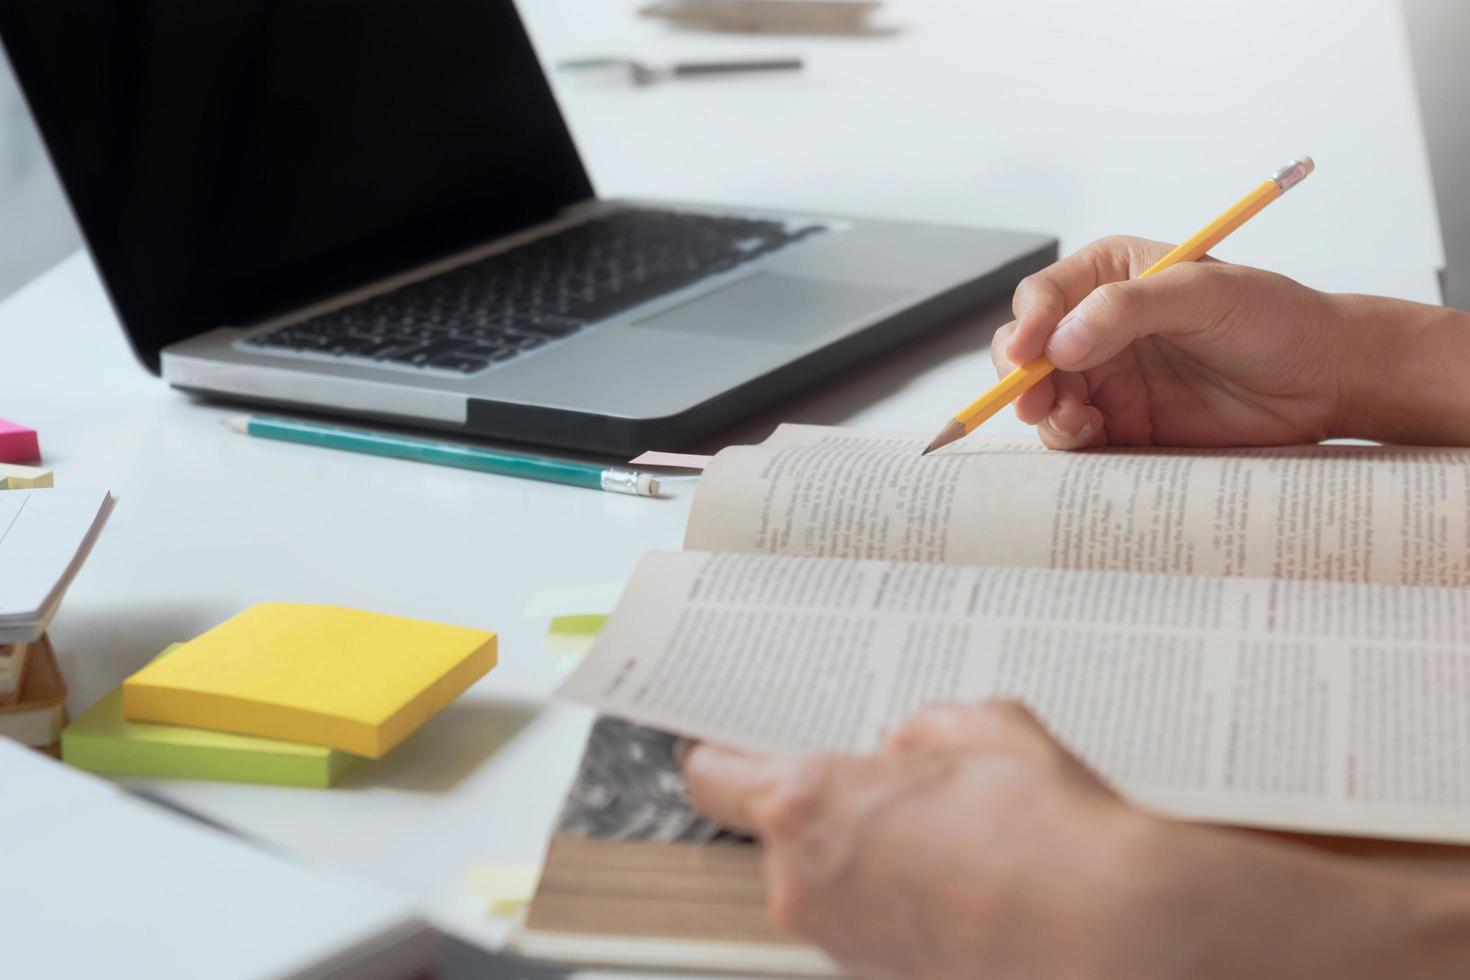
<point x="282" y="694"/>
<point x="45" y="536"/>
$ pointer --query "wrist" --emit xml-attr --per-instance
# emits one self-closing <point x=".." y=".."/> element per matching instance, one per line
<point x="1404" y="371"/>
<point x="1212" y="903"/>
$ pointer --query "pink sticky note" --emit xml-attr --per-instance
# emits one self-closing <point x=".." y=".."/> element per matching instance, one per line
<point x="18" y="444"/>
<point x="683" y="461"/>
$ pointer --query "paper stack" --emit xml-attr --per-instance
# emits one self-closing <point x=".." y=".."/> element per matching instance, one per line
<point x="45" y="536"/>
<point x="99" y="883"/>
<point x="283" y="693"/>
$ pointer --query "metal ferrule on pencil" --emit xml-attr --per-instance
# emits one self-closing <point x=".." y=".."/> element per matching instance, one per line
<point x="1293" y="173"/>
<point x="615" y="480"/>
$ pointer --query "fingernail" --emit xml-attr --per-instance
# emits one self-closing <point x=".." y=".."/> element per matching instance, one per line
<point x="1079" y="436"/>
<point x="1072" y="341"/>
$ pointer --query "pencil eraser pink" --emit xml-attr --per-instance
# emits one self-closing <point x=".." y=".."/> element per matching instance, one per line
<point x="18" y="444"/>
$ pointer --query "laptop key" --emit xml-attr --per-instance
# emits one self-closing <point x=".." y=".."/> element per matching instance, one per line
<point x="378" y="348"/>
<point x="460" y="362"/>
<point x="408" y="355"/>
<point x="546" y="326"/>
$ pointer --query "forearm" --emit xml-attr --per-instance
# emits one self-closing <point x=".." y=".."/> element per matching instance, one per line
<point x="1406" y="377"/>
<point x="1284" y="911"/>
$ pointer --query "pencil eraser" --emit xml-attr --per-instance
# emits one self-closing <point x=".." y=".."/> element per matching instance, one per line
<point x="18" y="444"/>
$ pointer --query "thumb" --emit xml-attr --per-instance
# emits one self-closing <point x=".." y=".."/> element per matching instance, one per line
<point x="1190" y="298"/>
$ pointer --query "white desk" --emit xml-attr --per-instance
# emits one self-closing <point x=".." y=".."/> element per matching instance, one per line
<point x="1011" y="114"/>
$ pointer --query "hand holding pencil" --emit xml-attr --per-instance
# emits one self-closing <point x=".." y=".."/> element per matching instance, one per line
<point x="1196" y="357"/>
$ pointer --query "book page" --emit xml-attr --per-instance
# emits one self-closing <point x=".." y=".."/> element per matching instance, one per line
<point x="1391" y="514"/>
<point x="1324" y="707"/>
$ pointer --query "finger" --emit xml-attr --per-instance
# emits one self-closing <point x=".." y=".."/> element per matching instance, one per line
<point x="1190" y="299"/>
<point x="1037" y="403"/>
<point x="1093" y="436"/>
<point x="1042" y="299"/>
<point x="724" y="784"/>
<point x="998" y="345"/>
<point x="996" y="726"/>
<point x="937" y="726"/>
<point x="1016" y="728"/>
<point x="1072" y="424"/>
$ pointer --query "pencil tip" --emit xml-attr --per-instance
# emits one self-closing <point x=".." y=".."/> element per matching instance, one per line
<point x="955" y="430"/>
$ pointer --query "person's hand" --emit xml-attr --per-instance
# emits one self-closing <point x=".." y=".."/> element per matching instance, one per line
<point x="1201" y="354"/>
<point x="976" y="846"/>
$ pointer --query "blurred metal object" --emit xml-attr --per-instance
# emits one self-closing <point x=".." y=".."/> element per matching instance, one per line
<point x="768" y="16"/>
<point x="642" y="74"/>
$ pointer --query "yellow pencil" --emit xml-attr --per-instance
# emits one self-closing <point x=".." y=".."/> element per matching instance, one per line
<point x="1022" y="378"/>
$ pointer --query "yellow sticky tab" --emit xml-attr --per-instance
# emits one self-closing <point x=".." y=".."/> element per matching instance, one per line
<point x="26" y="477"/>
<point x="505" y="888"/>
<point x="351" y="680"/>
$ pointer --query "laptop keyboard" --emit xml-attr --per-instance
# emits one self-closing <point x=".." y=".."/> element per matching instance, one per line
<point x="494" y="310"/>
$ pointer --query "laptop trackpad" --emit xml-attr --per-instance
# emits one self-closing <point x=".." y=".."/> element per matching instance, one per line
<point x="775" y="308"/>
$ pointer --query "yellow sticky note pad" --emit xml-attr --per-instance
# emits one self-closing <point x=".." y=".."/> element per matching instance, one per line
<point x="505" y="888"/>
<point x="350" y="680"/>
<point x="26" y="477"/>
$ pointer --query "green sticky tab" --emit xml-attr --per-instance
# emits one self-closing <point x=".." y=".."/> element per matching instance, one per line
<point x="103" y="741"/>
<point x="578" y="625"/>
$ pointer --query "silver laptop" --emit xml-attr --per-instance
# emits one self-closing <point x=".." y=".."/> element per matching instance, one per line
<point x="375" y="209"/>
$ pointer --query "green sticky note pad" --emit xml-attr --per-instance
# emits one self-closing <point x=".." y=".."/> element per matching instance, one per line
<point x="103" y="741"/>
<point x="578" y="625"/>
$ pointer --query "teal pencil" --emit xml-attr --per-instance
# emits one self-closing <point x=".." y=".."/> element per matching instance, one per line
<point x="525" y="466"/>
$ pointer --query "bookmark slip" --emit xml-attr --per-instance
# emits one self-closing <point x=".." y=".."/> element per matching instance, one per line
<point x="504" y="888"/>
<point x="587" y="600"/>
<point x="678" y="461"/>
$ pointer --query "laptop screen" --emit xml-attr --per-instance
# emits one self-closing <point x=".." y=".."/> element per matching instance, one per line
<point x="233" y="159"/>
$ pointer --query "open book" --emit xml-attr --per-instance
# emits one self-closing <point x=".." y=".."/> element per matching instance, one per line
<point x="1276" y="638"/>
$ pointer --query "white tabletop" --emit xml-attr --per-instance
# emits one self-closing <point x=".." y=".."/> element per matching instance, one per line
<point x="1009" y="114"/>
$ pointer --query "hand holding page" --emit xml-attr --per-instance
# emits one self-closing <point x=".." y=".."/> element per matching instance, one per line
<point x="1241" y="701"/>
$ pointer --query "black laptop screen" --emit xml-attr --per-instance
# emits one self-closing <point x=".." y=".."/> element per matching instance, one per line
<point x="230" y="159"/>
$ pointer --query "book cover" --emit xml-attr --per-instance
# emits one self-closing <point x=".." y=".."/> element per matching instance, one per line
<point x="343" y="678"/>
<point x="13" y="662"/>
<point x="37" y="718"/>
